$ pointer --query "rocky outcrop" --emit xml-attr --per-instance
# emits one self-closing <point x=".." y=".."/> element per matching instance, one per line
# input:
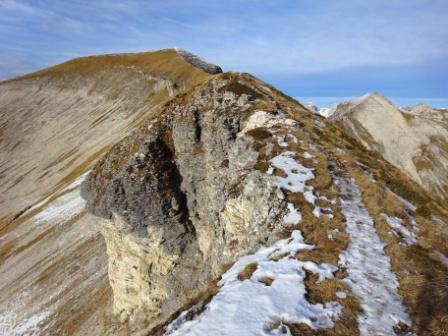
<point x="180" y="199"/>
<point x="199" y="62"/>
<point x="415" y="140"/>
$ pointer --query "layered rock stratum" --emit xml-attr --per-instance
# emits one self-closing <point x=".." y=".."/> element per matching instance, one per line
<point x="213" y="204"/>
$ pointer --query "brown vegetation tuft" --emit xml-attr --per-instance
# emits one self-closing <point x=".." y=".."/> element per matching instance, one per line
<point x="247" y="271"/>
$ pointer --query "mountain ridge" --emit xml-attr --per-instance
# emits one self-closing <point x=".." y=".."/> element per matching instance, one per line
<point x="410" y="139"/>
<point x="218" y="171"/>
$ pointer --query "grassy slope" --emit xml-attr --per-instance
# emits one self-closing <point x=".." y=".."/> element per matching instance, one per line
<point x="107" y="77"/>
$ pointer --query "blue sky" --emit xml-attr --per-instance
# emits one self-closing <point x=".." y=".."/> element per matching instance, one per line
<point x="304" y="47"/>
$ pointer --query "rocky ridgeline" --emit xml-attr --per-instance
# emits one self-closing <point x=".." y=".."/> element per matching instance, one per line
<point x="213" y="178"/>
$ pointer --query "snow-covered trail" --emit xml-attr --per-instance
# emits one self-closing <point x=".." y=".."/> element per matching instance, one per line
<point x="369" y="268"/>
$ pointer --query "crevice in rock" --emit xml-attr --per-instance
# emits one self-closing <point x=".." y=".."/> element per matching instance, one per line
<point x="197" y="125"/>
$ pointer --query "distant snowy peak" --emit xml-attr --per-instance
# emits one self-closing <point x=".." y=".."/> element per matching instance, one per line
<point x="322" y="111"/>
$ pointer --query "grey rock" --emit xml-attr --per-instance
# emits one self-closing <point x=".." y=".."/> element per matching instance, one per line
<point x="199" y="62"/>
<point x="189" y="203"/>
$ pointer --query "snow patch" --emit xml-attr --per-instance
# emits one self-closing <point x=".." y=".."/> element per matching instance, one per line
<point x="341" y="294"/>
<point x="76" y="183"/>
<point x="437" y="220"/>
<point x="29" y="326"/>
<point x="250" y="307"/>
<point x="307" y="155"/>
<point x="318" y="211"/>
<point x="296" y="177"/>
<point x="293" y="217"/>
<point x="63" y="208"/>
<point x="281" y="141"/>
<point x="400" y="230"/>
<point x="297" y="174"/>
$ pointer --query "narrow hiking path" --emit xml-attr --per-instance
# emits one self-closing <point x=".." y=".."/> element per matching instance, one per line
<point x="369" y="269"/>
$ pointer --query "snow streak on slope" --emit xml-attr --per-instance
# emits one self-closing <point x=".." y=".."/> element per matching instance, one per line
<point x="400" y="230"/>
<point x="65" y="207"/>
<point x="250" y="307"/>
<point x="296" y="177"/>
<point x="369" y="269"/>
<point x="30" y="306"/>
<point x="443" y="259"/>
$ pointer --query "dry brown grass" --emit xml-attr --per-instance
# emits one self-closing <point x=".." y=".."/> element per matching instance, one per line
<point x="101" y="298"/>
<point x="198" y="148"/>
<point x="262" y="166"/>
<point x="325" y="291"/>
<point x="165" y="62"/>
<point x="260" y="134"/>
<point x="6" y="249"/>
<point x="440" y="142"/>
<point x="84" y="166"/>
<point x="266" y="280"/>
<point x="425" y="160"/>
<point x="327" y="235"/>
<point x="247" y="271"/>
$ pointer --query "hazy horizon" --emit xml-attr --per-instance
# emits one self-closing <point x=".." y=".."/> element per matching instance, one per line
<point x="327" y="102"/>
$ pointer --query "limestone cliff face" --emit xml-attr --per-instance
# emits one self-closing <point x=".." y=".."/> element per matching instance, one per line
<point x="415" y="140"/>
<point x="180" y="199"/>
